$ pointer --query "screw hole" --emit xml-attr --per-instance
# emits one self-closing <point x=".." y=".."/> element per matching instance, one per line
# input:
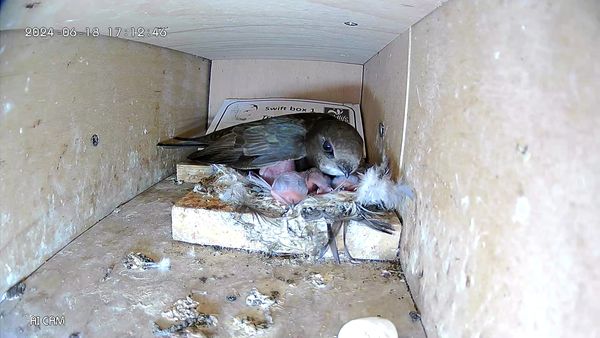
<point x="350" y="23"/>
<point x="381" y="130"/>
<point x="95" y="140"/>
<point x="414" y="316"/>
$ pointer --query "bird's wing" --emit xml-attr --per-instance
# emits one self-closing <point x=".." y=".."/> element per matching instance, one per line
<point x="257" y="144"/>
<point x="222" y="151"/>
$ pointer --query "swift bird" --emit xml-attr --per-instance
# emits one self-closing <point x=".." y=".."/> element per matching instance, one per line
<point x="332" y="146"/>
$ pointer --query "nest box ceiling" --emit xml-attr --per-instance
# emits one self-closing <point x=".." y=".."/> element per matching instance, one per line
<point x="327" y="30"/>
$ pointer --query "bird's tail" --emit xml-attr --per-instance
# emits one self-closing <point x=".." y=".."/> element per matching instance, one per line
<point x="199" y="141"/>
<point x="197" y="138"/>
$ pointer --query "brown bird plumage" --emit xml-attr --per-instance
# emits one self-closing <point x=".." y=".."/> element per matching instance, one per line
<point x="325" y="142"/>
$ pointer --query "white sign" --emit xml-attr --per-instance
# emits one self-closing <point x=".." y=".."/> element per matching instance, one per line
<point x="236" y="111"/>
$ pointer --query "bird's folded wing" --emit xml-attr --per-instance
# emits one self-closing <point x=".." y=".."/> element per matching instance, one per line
<point x="255" y="145"/>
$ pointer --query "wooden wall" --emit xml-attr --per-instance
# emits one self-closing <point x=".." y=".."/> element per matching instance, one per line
<point x="316" y="80"/>
<point x="56" y="94"/>
<point x="502" y="149"/>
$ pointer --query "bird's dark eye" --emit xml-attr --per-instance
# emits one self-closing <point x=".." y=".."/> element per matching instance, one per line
<point x="327" y="147"/>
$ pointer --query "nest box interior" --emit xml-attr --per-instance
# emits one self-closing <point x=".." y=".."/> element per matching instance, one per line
<point x="489" y="111"/>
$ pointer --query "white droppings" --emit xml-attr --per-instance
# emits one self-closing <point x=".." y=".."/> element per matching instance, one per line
<point x="145" y="131"/>
<point x="164" y="264"/>
<point x="419" y="97"/>
<point x="27" y="84"/>
<point x="497" y="55"/>
<point x="134" y="159"/>
<point x="7" y="107"/>
<point x="464" y="202"/>
<point x="472" y="225"/>
<point x="522" y="27"/>
<point x="182" y="310"/>
<point x="8" y="268"/>
<point x="11" y="279"/>
<point x="522" y="211"/>
<point x="4" y="218"/>
<point x="21" y="130"/>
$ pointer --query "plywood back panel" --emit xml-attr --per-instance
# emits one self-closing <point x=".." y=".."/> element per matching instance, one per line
<point x="328" y="81"/>
<point x="234" y="29"/>
<point x="55" y="94"/>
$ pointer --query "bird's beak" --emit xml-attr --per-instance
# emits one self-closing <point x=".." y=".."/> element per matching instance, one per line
<point x="345" y="170"/>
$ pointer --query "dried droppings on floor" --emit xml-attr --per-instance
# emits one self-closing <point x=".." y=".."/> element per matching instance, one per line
<point x="126" y="277"/>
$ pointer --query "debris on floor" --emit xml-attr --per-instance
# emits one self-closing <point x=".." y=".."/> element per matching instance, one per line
<point x="15" y="291"/>
<point x="249" y="325"/>
<point x="182" y="309"/>
<point x="386" y="274"/>
<point x="414" y="316"/>
<point x="317" y="280"/>
<point x="108" y="272"/>
<point x="140" y="261"/>
<point x="184" y="316"/>
<point x="232" y="293"/>
<point x="257" y="299"/>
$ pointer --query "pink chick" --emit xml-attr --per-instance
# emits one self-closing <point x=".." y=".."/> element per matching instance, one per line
<point x="270" y="173"/>
<point x="317" y="182"/>
<point x="289" y="188"/>
<point x="345" y="183"/>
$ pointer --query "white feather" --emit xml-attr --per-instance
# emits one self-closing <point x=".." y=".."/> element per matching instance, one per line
<point x="377" y="188"/>
<point x="258" y="181"/>
<point x="236" y="193"/>
<point x="163" y="265"/>
<point x="233" y="188"/>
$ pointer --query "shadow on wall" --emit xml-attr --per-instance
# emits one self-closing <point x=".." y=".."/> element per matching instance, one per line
<point x="374" y="113"/>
